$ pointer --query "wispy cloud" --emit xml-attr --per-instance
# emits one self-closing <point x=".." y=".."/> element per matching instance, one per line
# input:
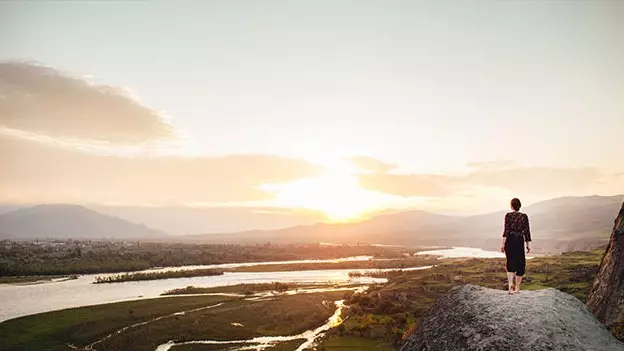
<point x="541" y="181"/>
<point x="490" y="165"/>
<point x="33" y="171"/>
<point x="426" y="185"/>
<point x="39" y="99"/>
<point x="538" y="180"/>
<point x="366" y="163"/>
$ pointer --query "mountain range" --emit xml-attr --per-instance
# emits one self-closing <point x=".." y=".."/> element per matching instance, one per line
<point x="559" y="224"/>
<point x="70" y="221"/>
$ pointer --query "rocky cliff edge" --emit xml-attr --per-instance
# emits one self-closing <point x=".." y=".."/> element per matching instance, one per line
<point x="477" y="318"/>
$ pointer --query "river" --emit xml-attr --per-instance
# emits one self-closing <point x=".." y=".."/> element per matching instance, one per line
<point x="458" y="252"/>
<point x="265" y="342"/>
<point x="21" y="300"/>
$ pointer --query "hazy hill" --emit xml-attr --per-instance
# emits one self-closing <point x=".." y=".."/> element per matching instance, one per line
<point x="575" y="217"/>
<point x="558" y="225"/>
<point x="369" y="231"/>
<point x="8" y="208"/>
<point x="181" y="220"/>
<point x="70" y="221"/>
<point x="563" y="219"/>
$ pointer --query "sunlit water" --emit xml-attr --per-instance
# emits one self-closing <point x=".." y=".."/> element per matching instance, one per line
<point x="264" y="342"/>
<point x="256" y="343"/>
<point x="93" y="345"/>
<point x="249" y="264"/>
<point x="458" y="252"/>
<point x="22" y="300"/>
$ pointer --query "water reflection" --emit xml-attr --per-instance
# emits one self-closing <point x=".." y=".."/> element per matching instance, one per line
<point x="264" y="342"/>
<point x="249" y="264"/>
<point x="21" y="300"/>
<point x="458" y="252"/>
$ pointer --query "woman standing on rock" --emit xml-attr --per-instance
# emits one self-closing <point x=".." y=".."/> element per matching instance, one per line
<point x="515" y="235"/>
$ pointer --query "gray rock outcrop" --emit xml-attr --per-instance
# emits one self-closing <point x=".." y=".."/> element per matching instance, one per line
<point x="476" y="318"/>
<point x="606" y="299"/>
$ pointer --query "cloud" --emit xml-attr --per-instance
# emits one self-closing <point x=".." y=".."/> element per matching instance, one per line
<point x="531" y="181"/>
<point x="609" y="184"/>
<point x="538" y="180"/>
<point x="408" y="184"/>
<point x="39" y="99"/>
<point x="490" y="165"/>
<point x="366" y="163"/>
<point x="38" y="172"/>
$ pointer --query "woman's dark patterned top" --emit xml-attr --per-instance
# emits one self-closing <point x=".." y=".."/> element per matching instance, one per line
<point x="517" y="223"/>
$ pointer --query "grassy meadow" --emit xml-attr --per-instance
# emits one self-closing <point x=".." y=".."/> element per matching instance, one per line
<point x="79" y="327"/>
<point x="390" y="312"/>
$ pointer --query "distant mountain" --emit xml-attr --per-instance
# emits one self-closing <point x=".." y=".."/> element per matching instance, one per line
<point x="9" y="208"/>
<point x="70" y="221"/>
<point x="557" y="225"/>
<point x="560" y="224"/>
<point x="373" y="230"/>
<point x="184" y="220"/>
<point x="574" y="217"/>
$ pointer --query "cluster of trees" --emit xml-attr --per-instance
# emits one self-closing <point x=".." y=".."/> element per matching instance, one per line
<point x="129" y="277"/>
<point x="280" y="287"/>
<point x="21" y="258"/>
<point x="247" y="289"/>
<point x="372" y="274"/>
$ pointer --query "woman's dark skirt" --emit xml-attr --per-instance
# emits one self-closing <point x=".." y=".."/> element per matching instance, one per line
<point x="514" y="250"/>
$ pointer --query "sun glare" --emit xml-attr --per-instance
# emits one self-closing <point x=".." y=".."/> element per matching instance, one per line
<point x="336" y="193"/>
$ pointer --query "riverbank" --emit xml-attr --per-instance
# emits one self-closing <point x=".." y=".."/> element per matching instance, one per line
<point x="142" y="276"/>
<point x="145" y="324"/>
<point x="23" y="258"/>
<point x="36" y="279"/>
<point x="244" y="289"/>
<point x="371" y="264"/>
<point x="26" y="299"/>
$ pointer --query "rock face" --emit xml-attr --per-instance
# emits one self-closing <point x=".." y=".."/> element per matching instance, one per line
<point x="606" y="299"/>
<point x="477" y="318"/>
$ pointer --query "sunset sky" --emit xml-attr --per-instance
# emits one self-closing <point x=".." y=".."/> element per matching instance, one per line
<point x="345" y="107"/>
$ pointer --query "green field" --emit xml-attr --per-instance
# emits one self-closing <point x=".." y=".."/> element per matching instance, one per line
<point x="350" y="343"/>
<point x="249" y="289"/>
<point x="286" y="315"/>
<point x="80" y="326"/>
<point x="391" y="312"/>
<point x="283" y="346"/>
<point x="87" y="257"/>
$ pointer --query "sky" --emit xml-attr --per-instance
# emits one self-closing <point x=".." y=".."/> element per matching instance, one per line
<point x="344" y="107"/>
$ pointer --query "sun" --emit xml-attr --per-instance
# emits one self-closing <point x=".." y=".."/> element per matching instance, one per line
<point x="336" y="193"/>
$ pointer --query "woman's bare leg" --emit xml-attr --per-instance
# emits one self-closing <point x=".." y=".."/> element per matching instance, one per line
<point x="518" y="281"/>
<point x="510" y="280"/>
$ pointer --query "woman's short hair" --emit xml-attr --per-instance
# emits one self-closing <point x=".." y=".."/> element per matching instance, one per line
<point x="516" y="204"/>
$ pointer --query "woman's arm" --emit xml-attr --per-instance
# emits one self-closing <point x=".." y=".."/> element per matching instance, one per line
<point x="505" y="232"/>
<point x="527" y="233"/>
